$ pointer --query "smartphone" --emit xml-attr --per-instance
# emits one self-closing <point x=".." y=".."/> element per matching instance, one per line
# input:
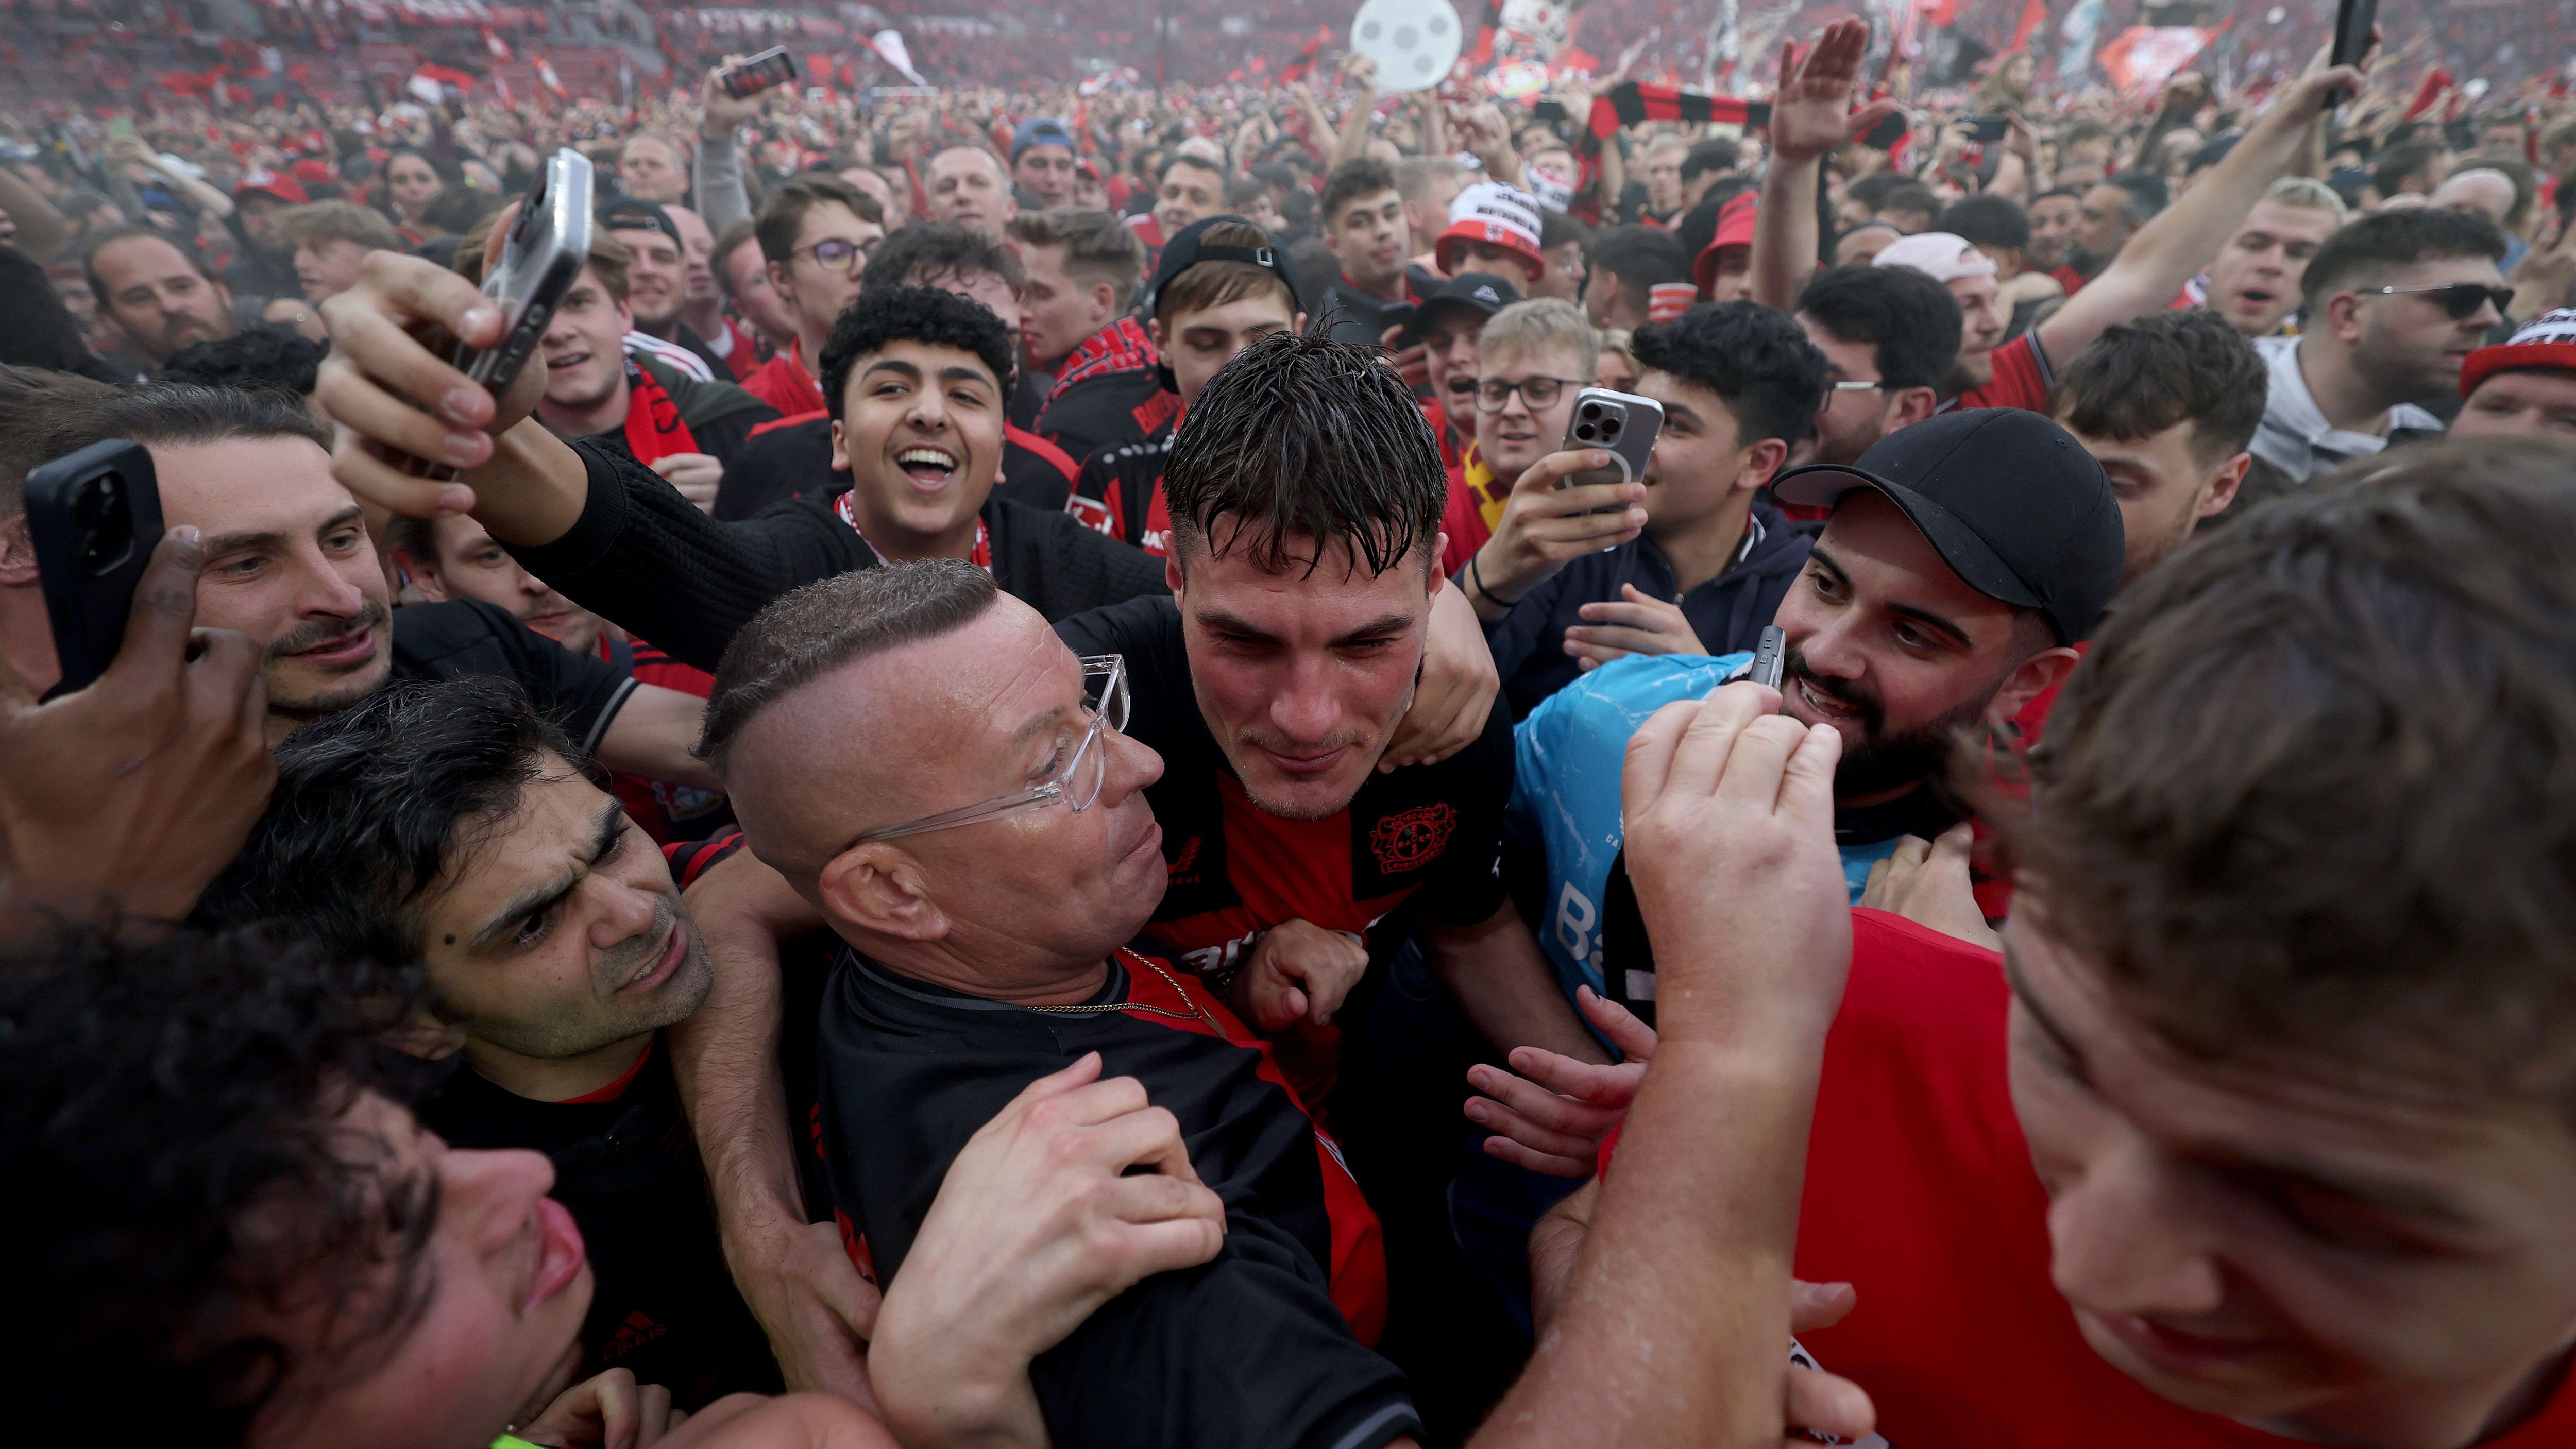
<point x="1549" y="111"/>
<point x="548" y="242"/>
<point x="757" y="73"/>
<point x="1986" y="130"/>
<point x="1770" y="656"/>
<point x="1623" y="423"/>
<point x="2353" y="20"/>
<point x="94" y="518"/>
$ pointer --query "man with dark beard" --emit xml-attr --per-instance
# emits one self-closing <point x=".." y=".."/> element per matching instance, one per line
<point x="1966" y="559"/>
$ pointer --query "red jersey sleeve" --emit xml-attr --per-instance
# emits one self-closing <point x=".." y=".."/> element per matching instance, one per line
<point x="2022" y="378"/>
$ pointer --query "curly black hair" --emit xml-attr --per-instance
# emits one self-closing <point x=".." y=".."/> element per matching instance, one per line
<point x="267" y="359"/>
<point x="911" y="314"/>
<point x="1306" y="438"/>
<point x="170" y="1130"/>
<point x="1757" y="361"/>
<point x="369" y="806"/>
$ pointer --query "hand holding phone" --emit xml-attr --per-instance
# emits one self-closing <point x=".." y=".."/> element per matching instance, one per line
<point x="93" y="518"/>
<point x="757" y="73"/>
<point x="1624" y="424"/>
<point x="136" y="791"/>
<point x="2355" y="22"/>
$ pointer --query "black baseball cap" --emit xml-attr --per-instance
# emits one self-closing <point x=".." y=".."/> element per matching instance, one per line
<point x="1482" y="293"/>
<point x="1184" y="251"/>
<point x="2011" y="502"/>
<point x="634" y="213"/>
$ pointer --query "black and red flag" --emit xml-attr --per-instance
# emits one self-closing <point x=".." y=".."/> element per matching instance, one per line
<point x="1304" y="65"/>
<point x="1633" y="103"/>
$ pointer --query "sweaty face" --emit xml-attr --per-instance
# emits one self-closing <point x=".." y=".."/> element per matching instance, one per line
<point x="656" y="276"/>
<point x="1888" y="646"/>
<point x="327" y="266"/>
<point x="921" y="433"/>
<point x="288" y="563"/>
<point x="471" y="565"/>
<point x="558" y="932"/>
<point x="2409" y="346"/>
<point x="1518" y="435"/>
<point x="2531" y="404"/>
<point x="1197" y="345"/>
<point x="2331" y="1252"/>
<point x="649" y="169"/>
<point x="1057" y="310"/>
<point x="2254" y="282"/>
<point x="2164" y="488"/>
<point x="1188" y="193"/>
<point x="1368" y="236"/>
<point x="158" y="298"/>
<point x="2054" y="222"/>
<point x="504" y="1282"/>
<point x="968" y="186"/>
<point x="817" y="290"/>
<point x="584" y="347"/>
<point x="1301" y="675"/>
<point x="1981" y="328"/>
<point x="1045" y="171"/>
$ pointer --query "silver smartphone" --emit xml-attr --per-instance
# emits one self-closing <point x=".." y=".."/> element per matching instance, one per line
<point x="549" y="240"/>
<point x="1622" y="423"/>
<point x="1770" y="657"/>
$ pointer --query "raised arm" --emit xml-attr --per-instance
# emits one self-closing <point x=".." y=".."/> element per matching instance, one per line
<point x="2181" y="240"/>
<point x="1686" y="1259"/>
<point x="717" y="171"/>
<point x="1810" y="118"/>
<point x="41" y="229"/>
<point x="1361" y="72"/>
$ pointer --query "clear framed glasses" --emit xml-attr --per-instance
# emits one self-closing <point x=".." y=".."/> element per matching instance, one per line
<point x="1493" y="394"/>
<point x="1838" y="386"/>
<point x="835" y="254"/>
<point x="1076" y="781"/>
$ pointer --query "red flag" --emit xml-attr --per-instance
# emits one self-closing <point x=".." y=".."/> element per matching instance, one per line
<point x="1304" y="65"/>
<point x="500" y="48"/>
<point x="2034" y="14"/>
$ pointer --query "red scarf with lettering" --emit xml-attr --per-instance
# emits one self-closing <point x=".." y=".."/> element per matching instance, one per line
<point x="653" y="425"/>
<point x="981" y="558"/>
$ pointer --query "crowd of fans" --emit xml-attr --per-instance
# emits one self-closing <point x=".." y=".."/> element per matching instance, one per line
<point x="1034" y="786"/>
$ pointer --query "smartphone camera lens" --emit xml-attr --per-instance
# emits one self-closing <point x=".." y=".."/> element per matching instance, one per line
<point x="1585" y="431"/>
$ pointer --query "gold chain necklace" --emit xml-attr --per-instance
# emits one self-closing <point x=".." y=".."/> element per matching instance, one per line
<point x="1195" y="1013"/>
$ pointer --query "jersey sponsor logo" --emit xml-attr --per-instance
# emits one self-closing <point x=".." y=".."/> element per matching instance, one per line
<point x="1091" y="513"/>
<point x="1157" y="410"/>
<point x="1216" y="958"/>
<point x="637" y="1331"/>
<point x="1183" y="868"/>
<point x="1411" y="839"/>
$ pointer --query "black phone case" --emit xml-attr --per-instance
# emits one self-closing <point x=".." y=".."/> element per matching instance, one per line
<point x="91" y="549"/>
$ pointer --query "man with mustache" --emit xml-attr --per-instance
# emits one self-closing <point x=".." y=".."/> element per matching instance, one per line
<point x="1965" y="559"/>
<point x="156" y="298"/>
<point x="446" y="826"/>
<point x="290" y="562"/>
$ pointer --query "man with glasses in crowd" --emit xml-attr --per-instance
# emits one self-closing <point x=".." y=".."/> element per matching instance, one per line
<point x="816" y="232"/>
<point x="2394" y="303"/>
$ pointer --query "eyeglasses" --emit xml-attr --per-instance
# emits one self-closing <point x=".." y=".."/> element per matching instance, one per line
<point x="837" y="253"/>
<point x="1493" y="394"/>
<point x="1075" y="783"/>
<point x="1839" y="386"/>
<point x="2459" y="301"/>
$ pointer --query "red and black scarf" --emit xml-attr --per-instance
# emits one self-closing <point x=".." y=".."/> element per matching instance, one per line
<point x="654" y="427"/>
<point x="1633" y="103"/>
<point x="981" y="557"/>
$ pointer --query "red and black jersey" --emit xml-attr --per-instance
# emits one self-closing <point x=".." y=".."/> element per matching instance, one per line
<point x="1427" y="837"/>
<point x="667" y="812"/>
<point x="1110" y="392"/>
<point x="1120" y="493"/>
<point x="791" y="457"/>
<point x="1267" y="1344"/>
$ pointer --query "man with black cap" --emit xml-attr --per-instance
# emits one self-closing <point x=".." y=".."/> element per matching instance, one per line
<point x="657" y="285"/>
<point x="1966" y="560"/>
<point x="1042" y="156"/>
<point x="1435" y="349"/>
<point x="1220" y="288"/>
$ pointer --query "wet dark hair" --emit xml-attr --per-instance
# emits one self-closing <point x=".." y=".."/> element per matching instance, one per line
<point x="170" y="1105"/>
<point x="880" y="315"/>
<point x="1304" y="438"/>
<point x="371" y="803"/>
<point x="2307" y="799"/>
